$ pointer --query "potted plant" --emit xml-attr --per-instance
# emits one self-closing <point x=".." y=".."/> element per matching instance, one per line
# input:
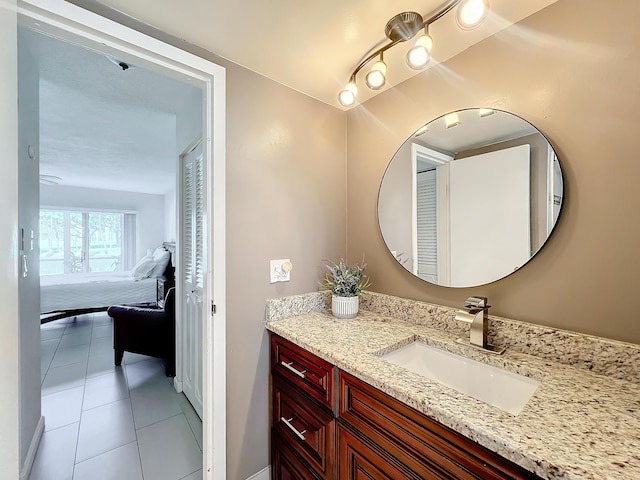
<point x="346" y="284"/>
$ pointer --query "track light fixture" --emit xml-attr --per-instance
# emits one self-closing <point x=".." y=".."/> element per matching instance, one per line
<point x="405" y="26"/>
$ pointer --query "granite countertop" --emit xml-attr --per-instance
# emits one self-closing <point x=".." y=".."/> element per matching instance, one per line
<point x="577" y="425"/>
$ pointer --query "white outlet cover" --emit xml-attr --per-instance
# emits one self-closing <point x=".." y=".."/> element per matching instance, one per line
<point x="278" y="274"/>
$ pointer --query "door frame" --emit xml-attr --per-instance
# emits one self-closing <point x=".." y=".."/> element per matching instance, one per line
<point x="438" y="160"/>
<point x="69" y="22"/>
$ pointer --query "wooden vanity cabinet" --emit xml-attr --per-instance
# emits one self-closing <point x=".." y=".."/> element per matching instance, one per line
<point x="327" y="424"/>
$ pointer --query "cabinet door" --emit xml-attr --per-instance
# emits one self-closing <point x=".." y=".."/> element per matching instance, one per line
<point x="357" y="460"/>
<point x="421" y="444"/>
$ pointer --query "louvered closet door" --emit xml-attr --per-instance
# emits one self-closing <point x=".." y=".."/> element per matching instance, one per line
<point x="427" y="232"/>
<point x="193" y="275"/>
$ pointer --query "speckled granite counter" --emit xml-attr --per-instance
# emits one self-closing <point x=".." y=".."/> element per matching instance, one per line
<point x="578" y="424"/>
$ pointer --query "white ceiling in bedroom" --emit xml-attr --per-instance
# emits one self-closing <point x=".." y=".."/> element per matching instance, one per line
<point x="101" y="126"/>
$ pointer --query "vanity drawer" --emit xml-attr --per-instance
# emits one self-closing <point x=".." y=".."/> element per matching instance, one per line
<point x="305" y="426"/>
<point x="311" y="374"/>
<point x="285" y="464"/>
<point x="421" y="444"/>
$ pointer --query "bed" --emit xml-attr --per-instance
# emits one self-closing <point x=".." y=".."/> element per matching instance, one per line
<point x="76" y="293"/>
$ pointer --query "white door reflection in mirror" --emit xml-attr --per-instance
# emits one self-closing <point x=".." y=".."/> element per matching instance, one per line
<point x="489" y="215"/>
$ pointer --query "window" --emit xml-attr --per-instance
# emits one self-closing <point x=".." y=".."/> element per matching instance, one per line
<point x="73" y="241"/>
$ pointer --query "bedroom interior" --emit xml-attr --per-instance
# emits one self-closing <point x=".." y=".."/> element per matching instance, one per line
<point x="111" y="143"/>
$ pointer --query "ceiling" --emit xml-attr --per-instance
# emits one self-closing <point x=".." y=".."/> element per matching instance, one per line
<point x="313" y="47"/>
<point x="101" y="126"/>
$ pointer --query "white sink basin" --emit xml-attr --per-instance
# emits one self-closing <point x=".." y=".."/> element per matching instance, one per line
<point x="497" y="387"/>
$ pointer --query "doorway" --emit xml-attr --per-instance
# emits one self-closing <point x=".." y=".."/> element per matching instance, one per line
<point x="73" y="24"/>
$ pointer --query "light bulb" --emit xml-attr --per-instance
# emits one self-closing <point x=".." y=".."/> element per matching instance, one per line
<point x="419" y="55"/>
<point x="471" y="13"/>
<point x="451" y="120"/>
<point x="347" y="97"/>
<point x="425" y="41"/>
<point x="376" y="78"/>
<point x="421" y="131"/>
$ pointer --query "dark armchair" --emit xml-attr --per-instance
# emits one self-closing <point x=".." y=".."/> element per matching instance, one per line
<point x="147" y="331"/>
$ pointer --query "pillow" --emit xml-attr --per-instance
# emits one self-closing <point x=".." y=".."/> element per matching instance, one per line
<point x="143" y="268"/>
<point x="161" y="258"/>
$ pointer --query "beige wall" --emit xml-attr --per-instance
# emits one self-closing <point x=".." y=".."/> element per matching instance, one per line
<point x="286" y="179"/>
<point x="572" y="72"/>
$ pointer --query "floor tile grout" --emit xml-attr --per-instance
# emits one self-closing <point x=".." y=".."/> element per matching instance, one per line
<point x="135" y="430"/>
<point x="97" y="455"/>
<point x="84" y="387"/>
<point x="159" y="421"/>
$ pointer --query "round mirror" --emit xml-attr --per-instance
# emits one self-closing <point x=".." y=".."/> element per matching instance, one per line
<point x="470" y="197"/>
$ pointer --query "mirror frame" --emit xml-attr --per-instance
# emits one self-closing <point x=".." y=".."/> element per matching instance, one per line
<point x="532" y="256"/>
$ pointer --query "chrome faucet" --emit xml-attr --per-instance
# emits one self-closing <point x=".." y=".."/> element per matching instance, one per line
<point x="476" y="312"/>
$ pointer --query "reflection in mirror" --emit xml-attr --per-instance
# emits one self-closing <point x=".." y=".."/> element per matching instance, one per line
<point x="470" y="197"/>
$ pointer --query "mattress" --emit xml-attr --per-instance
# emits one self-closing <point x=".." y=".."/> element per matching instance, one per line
<point x="93" y="290"/>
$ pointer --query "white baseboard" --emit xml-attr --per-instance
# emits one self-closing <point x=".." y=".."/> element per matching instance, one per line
<point x="25" y="471"/>
<point x="264" y="474"/>
<point x="177" y="385"/>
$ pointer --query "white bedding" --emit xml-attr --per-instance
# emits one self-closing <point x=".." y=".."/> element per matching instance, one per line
<point x="93" y="290"/>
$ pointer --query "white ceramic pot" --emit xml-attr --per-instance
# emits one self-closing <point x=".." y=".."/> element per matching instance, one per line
<point x="344" y="307"/>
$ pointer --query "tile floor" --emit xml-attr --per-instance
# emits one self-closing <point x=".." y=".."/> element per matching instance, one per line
<point x="104" y="422"/>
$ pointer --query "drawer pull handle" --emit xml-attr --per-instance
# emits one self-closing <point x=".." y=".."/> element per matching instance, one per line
<point x="300" y="435"/>
<point x="289" y="367"/>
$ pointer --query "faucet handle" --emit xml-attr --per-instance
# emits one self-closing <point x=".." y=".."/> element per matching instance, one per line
<point x="475" y="304"/>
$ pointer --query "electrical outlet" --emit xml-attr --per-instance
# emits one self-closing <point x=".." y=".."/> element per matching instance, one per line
<point x="280" y="270"/>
